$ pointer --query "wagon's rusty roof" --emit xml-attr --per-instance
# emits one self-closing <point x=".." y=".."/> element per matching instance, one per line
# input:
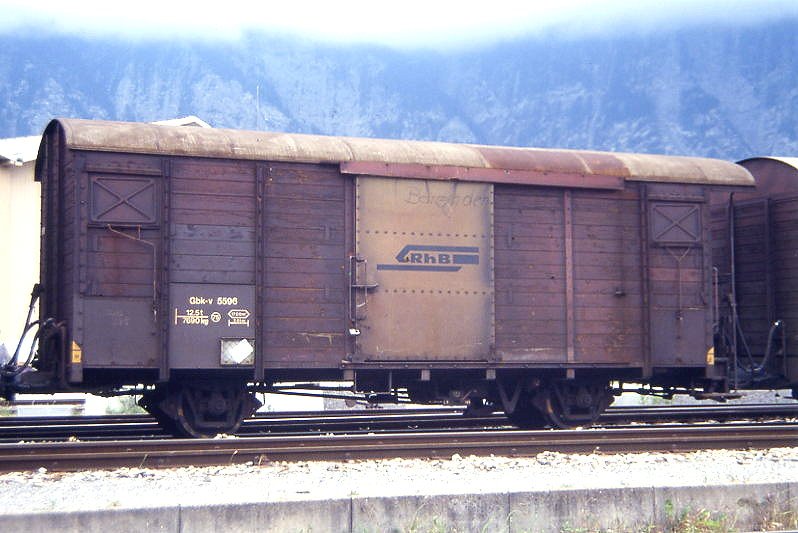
<point x="404" y="158"/>
<point x="789" y="161"/>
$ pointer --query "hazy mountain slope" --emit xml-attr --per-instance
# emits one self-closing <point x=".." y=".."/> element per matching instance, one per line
<point x="726" y="92"/>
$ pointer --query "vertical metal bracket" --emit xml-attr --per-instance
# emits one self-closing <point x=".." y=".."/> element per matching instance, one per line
<point x="645" y="281"/>
<point x="263" y="175"/>
<point x="358" y="290"/>
<point x="568" y="239"/>
<point x="164" y="278"/>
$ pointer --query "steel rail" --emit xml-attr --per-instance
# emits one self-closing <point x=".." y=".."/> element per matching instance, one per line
<point x="764" y="409"/>
<point x="696" y="412"/>
<point x="66" y="456"/>
<point x="127" y="426"/>
<point x="142" y="425"/>
<point x="261" y="416"/>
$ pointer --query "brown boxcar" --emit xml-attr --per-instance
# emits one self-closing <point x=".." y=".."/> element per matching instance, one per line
<point x="756" y="238"/>
<point x="205" y="264"/>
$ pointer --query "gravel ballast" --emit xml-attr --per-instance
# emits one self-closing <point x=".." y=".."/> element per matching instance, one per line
<point x="282" y="481"/>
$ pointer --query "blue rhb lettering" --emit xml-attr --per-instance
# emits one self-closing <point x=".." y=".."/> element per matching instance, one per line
<point x="433" y="258"/>
<point x="428" y="259"/>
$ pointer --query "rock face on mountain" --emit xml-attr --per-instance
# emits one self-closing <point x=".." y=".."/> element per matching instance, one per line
<point x="725" y="92"/>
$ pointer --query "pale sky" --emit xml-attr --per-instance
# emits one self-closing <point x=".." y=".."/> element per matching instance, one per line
<point x="398" y="23"/>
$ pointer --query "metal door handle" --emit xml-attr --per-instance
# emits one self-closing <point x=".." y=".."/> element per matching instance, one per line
<point x="357" y="307"/>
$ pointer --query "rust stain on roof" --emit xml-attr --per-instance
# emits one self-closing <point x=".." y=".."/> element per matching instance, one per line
<point x="514" y="165"/>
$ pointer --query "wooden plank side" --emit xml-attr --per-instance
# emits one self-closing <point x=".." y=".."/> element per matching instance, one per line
<point x="614" y="345"/>
<point x="784" y="231"/>
<point x="309" y="266"/>
<point x="211" y="232"/>
<point x="607" y="270"/>
<point x="679" y="274"/>
<point x="521" y="197"/>
<point x="121" y="266"/>
<point x="545" y="263"/>
<point x="624" y="219"/>
<point x="208" y="169"/>
<point x="212" y="263"/>
<point x="214" y="203"/>
<point x="305" y="261"/>
<point x="548" y="242"/>
<point x="121" y="290"/>
<point x="302" y="219"/>
<point x="302" y="280"/>
<point x="208" y="276"/>
<point x="538" y="349"/>
<point x="202" y="216"/>
<point x="309" y="325"/>
<point x="114" y="162"/>
<point x="302" y="309"/>
<point x="327" y="208"/>
<point x="318" y="191"/>
<point x="119" y="260"/>
<point x="201" y="246"/>
<point x="529" y="280"/>
<point x="322" y="233"/>
<point x="211" y="187"/>
<point x="532" y="327"/>
<point x="305" y="250"/>
<point x="527" y="314"/>
<point x="529" y="218"/>
<point x="129" y="276"/>
<point x="290" y="295"/>
<point x="213" y="217"/>
<point x="596" y="200"/>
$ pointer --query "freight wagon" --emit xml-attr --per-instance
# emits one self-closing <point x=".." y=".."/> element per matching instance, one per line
<point x="198" y="266"/>
<point x="755" y="240"/>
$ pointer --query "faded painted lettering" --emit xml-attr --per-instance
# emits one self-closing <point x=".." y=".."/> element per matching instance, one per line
<point x="445" y="202"/>
<point x="204" y="311"/>
<point x="192" y="317"/>
<point x="238" y="317"/>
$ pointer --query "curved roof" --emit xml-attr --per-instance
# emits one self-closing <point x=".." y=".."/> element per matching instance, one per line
<point x="789" y="161"/>
<point x="403" y="158"/>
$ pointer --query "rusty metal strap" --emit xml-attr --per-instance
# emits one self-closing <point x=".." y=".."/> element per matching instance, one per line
<point x="490" y="175"/>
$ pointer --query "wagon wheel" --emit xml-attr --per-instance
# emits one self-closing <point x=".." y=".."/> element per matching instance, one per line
<point x="527" y="414"/>
<point x="200" y="409"/>
<point x="152" y="402"/>
<point x="210" y="409"/>
<point x="165" y="422"/>
<point x="569" y="405"/>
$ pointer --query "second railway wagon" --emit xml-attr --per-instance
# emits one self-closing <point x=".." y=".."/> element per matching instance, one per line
<point x="755" y="242"/>
<point x="201" y="265"/>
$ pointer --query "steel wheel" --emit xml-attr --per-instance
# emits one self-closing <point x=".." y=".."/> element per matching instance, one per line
<point x="570" y="405"/>
<point x="201" y="409"/>
<point x="527" y="414"/>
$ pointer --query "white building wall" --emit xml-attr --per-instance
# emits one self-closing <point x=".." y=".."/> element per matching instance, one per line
<point x="19" y="247"/>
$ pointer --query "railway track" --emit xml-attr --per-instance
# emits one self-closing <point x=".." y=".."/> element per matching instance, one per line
<point x="13" y="429"/>
<point x="66" y="456"/>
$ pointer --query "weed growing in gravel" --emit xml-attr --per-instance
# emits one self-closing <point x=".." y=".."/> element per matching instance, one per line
<point x="696" y="521"/>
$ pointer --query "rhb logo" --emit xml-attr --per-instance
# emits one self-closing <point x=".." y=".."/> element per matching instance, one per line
<point x="433" y="258"/>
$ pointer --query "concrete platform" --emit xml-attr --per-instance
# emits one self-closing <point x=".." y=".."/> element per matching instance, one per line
<point x="741" y="507"/>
